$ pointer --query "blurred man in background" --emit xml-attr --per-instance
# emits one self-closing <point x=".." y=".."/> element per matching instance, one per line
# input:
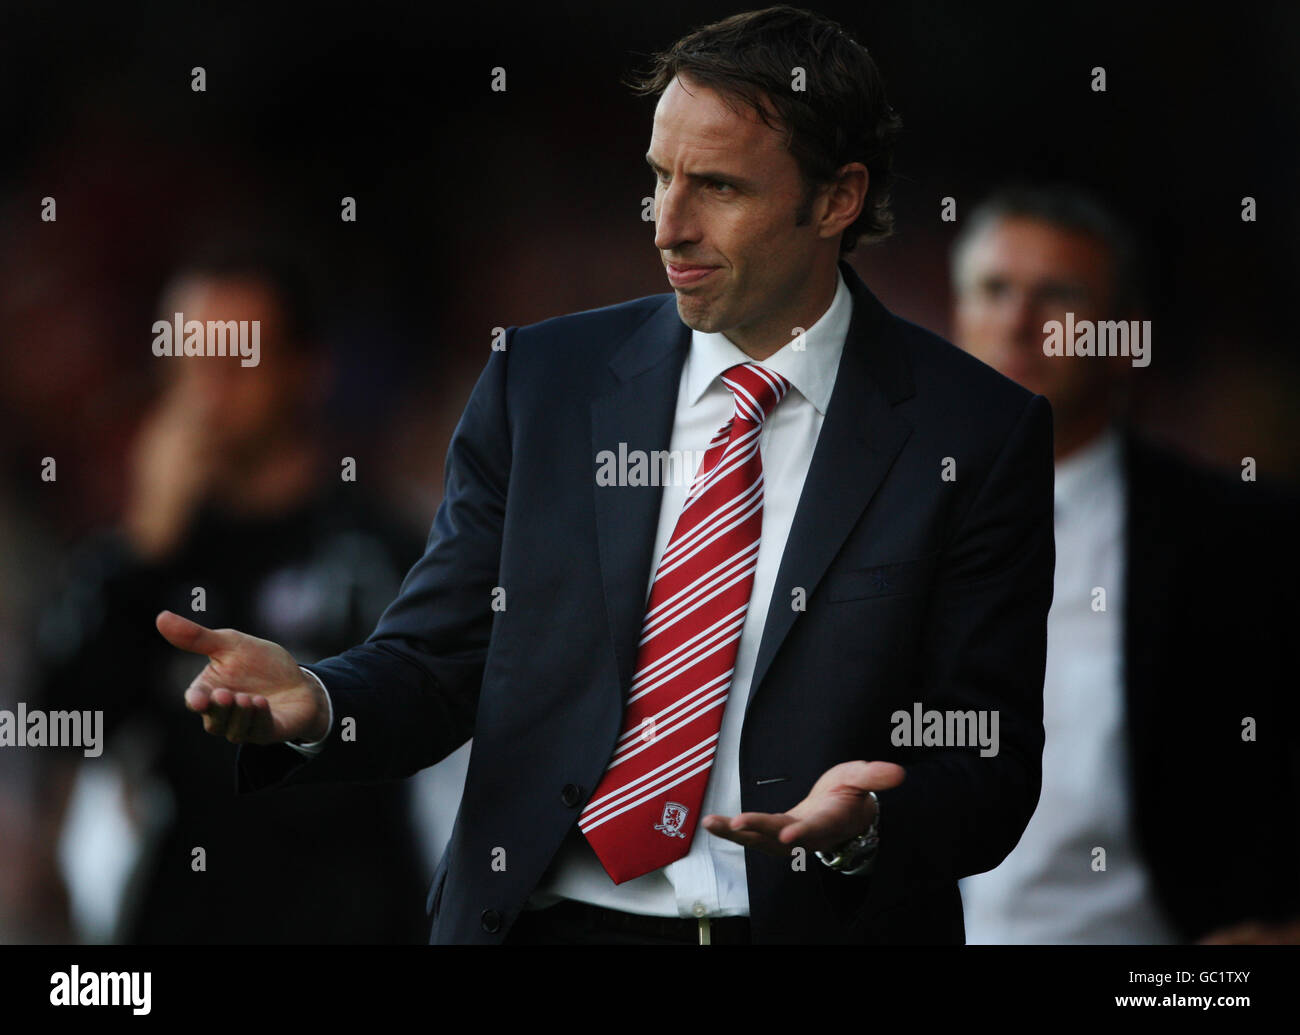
<point x="236" y="514"/>
<point x="1170" y="782"/>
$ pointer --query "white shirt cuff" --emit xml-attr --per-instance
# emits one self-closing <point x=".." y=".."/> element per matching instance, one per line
<point x="316" y="747"/>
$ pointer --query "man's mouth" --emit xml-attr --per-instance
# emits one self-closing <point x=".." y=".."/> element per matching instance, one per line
<point x="684" y="275"/>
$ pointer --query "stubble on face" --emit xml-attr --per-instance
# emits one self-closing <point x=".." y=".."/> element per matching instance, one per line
<point x="736" y="193"/>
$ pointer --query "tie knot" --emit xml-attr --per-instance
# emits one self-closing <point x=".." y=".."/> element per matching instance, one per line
<point x="757" y="390"/>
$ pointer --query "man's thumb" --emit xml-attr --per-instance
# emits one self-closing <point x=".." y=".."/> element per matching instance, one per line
<point x="881" y="776"/>
<point x="181" y="632"/>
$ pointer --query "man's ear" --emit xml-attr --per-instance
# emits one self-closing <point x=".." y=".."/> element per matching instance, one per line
<point x="844" y="197"/>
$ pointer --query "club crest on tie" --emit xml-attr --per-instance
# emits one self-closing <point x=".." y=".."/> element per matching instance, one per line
<point x="673" y="819"/>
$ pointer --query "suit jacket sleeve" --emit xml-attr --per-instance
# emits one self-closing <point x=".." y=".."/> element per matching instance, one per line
<point x="406" y="698"/>
<point x="984" y="648"/>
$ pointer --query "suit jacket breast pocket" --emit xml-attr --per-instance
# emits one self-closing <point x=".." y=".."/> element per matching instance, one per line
<point x="893" y="578"/>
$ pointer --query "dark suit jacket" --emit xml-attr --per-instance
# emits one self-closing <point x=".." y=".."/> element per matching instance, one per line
<point x="918" y="588"/>
<point x="1213" y="595"/>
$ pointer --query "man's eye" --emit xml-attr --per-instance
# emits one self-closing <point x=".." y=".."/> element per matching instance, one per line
<point x="719" y="186"/>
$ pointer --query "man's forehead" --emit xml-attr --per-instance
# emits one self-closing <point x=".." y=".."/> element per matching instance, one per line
<point x="705" y="115"/>
<point x="1030" y="245"/>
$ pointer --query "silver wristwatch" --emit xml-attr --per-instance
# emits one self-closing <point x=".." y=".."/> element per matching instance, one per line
<point x="856" y="855"/>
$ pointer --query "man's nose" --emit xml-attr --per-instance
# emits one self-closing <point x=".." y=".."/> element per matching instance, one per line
<point x="675" y="222"/>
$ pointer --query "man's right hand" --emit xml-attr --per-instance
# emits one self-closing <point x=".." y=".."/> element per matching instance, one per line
<point x="252" y="691"/>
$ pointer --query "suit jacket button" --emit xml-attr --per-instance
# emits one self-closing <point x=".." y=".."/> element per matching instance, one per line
<point x="491" y="921"/>
<point x="571" y="794"/>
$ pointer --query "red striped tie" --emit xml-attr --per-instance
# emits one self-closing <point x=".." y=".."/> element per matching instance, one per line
<point x="643" y="814"/>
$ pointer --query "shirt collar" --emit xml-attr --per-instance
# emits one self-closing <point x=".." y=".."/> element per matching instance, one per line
<point x="811" y="369"/>
<point x="1079" y="475"/>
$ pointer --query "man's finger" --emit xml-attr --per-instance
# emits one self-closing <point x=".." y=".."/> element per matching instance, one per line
<point x="805" y="831"/>
<point x="197" y="700"/>
<point x="884" y="775"/>
<point x="223" y="698"/>
<point x="722" y="827"/>
<point x="260" y="726"/>
<point x="220" y="713"/>
<point x="200" y="701"/>
<point x="237" y="729"/>
<point x="198" y="639"/>
<point x="768" y="824"/>
<point x="215" y="719"/>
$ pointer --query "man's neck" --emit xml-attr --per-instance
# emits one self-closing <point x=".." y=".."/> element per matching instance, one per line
<point x="771" y="340"/>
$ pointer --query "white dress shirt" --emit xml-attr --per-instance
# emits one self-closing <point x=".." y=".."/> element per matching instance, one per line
<point x="1046" y="891"/>
<point x="710" y="879"/>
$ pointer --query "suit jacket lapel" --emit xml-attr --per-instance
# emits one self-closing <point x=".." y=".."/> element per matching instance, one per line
<point x="639" y="411"/>
<point x="860" y="436"/>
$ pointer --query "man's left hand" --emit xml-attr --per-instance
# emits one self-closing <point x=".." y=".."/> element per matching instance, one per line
<point x="836" y="810"/>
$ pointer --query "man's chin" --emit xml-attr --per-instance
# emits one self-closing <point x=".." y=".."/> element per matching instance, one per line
<point x="697" y="315"/>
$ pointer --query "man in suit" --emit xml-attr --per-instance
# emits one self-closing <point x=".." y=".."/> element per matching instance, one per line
<point x="1169" y="635"/>
<point x="680" y="688"/>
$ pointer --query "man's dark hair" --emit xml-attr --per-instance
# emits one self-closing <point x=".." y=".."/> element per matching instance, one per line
<point x="840" y="117"/>
<point x="1069" y="208"/>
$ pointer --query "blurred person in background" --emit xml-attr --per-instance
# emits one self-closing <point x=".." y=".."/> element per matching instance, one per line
<point x="233" y="493"/>
<point x="1170" y="786"/>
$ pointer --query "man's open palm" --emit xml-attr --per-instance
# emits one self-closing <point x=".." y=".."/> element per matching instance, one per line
<point x="251" y="690"/>
<point x="835" y="810"/>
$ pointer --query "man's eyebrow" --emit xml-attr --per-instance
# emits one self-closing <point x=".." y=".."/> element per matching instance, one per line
<point x="706" y="175"/>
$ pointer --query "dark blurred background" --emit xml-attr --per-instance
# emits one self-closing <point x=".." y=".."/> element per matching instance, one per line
<point x="479" y="209"/>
